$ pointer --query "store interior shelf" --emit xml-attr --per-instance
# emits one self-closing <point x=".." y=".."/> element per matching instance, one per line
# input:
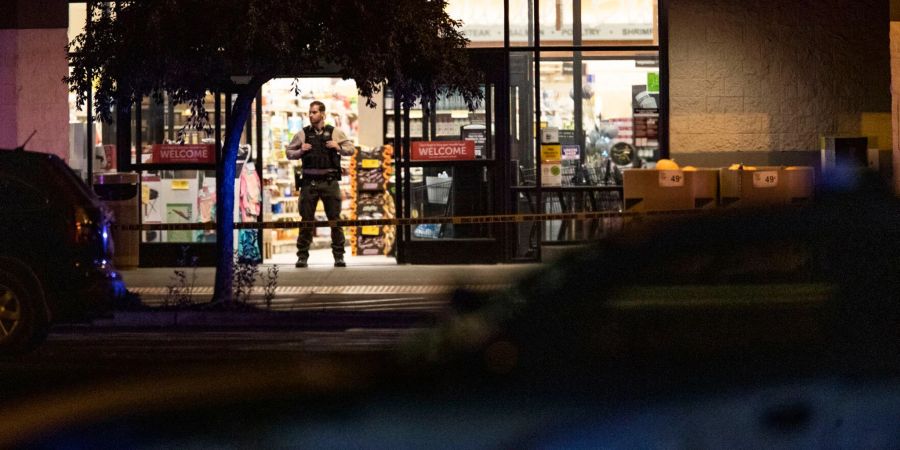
<point x="440" y="112"/>
<point x="279" y="216"/>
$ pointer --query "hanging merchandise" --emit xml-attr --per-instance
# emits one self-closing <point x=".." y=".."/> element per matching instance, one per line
<point x="249" y="204"/>
<point x="206" y="209"/>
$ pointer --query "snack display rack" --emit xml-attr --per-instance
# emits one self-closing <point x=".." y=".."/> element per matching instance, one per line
<point x="371" y="175"/>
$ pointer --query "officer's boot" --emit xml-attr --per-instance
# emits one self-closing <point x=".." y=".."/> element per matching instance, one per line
<point x="339" y="260"/>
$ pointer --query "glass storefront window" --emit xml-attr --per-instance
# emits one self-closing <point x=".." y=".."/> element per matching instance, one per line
<point x="521" y="117"/>
<point x="602" y="21"/>
<point x="77" y="19"/>
<point x="610" y="124"/>
<point x="521" y="23"/>
<point x="605" y="21"/>
<point x="78" y="141"/>
<point x="556" y="22"/>
<point x="178" y="196"/>
<point x="557" y="98"/>
<point x="446" y="191"/>
<point x="621" y="109"/>
<point x="482" y="20"/>
<point x="189" y="196"/>
<point x="101" y="144"/>
<point x="167" y="122"/>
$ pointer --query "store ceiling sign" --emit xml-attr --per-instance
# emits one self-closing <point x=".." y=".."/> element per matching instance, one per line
<point x="442" y="150"/>
<point x="521" y="32"/>
<point x="184" y="154"/>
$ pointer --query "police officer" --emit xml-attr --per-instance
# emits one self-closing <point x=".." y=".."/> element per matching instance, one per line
<point x="319" y="148"/>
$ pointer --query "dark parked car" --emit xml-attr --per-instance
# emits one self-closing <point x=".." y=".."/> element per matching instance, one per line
<point x="55" y="249"/>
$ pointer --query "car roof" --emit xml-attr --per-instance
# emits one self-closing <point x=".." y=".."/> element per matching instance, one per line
<point x="8" y="155"/>
<point x="57" y="175"/>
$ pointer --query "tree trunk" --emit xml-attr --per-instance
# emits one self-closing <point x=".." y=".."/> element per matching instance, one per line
<point x="240" y="111"/>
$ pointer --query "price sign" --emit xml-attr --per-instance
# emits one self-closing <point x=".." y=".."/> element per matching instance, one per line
<point x="765" y="179"/>
<point x="371" y="164"/>
<point x="180" y="185"/>
<point x="671" y="178"/>
<point x="552" y="152"/>
<point x="371" y="230"/>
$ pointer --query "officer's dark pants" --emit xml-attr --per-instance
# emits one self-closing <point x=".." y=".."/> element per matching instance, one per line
<point x="310" y="194"/>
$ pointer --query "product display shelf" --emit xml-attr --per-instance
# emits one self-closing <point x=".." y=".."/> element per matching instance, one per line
<point x="371" y="179"/>
<point x="283" y="245"/>
<point x="444" y="122"/>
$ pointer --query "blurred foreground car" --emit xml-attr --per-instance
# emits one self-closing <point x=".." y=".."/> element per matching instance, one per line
<point x="771" y="328"/>
<point x="55" y="249"/>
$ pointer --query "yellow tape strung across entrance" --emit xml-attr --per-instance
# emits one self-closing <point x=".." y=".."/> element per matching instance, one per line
<point x="502" y="218"/>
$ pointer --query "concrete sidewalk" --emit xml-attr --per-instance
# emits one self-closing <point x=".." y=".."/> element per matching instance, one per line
<point x="318" y="297"/>
<point x="327" y="276"/>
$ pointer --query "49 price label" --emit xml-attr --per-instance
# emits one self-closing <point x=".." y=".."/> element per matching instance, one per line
<point x="671" y="178"/>
<point x="765" y="179"/>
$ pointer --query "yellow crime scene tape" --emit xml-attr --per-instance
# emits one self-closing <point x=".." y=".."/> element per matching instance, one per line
<point x="456" y="220"/>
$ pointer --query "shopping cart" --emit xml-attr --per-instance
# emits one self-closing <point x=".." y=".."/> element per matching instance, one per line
<point x="593" y="191"/>
<point x="433" y="199"/>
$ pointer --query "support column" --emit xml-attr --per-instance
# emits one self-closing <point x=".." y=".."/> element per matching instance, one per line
<point x="33" y="39"/>
<point x="8" y="98"/>
<point x="895" y="93"/>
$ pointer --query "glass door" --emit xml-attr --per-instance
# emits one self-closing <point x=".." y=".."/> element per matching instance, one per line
<point x="451" y="167"/>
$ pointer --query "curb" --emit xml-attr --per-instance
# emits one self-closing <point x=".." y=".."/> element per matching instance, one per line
<point x="243" y="320"/>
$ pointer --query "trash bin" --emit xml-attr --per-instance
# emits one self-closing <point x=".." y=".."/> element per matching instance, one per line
<point x="119" y="192"/>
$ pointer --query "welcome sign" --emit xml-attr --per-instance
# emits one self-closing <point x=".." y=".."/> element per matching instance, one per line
<point x="442" y="150"/>
<point x="184" y="154"/>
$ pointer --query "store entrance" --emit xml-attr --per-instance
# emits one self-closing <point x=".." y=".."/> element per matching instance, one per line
<point x="451" y="165"/>
<point x="364" y="186"/>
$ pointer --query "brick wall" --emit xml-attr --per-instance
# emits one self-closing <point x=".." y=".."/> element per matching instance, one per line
<point x="32" y="94"/>
<point x="768" y="75"/>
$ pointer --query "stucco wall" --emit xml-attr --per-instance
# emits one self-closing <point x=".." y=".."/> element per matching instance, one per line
<point x="768" y="75"/>
<point x="32" y="94"/>
<point x="8" y="52"/>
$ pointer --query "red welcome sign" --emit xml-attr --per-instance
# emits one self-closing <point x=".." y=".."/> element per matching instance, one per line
<point x="442" y="150"/>
<point x="184" y="154"/>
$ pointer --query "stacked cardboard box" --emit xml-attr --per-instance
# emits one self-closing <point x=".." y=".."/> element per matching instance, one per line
<point x="672" y="190"/>
<point x="765" y="185"/>
<point x="669" y="190"/>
